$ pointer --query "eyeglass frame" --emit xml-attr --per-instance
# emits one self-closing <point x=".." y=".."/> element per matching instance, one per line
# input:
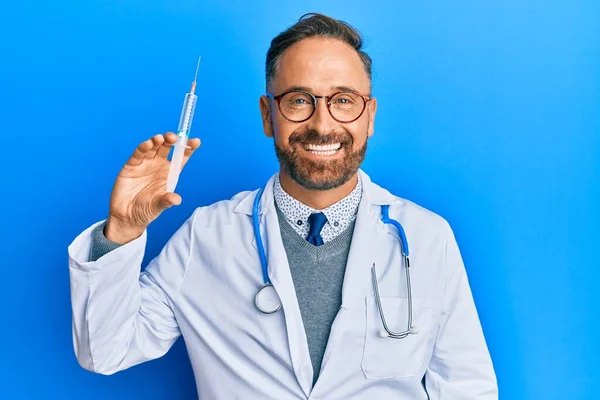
<point x="315" y="98"/>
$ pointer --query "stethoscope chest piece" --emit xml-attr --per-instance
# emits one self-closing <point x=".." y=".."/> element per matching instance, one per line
<point x="267" y="300"/>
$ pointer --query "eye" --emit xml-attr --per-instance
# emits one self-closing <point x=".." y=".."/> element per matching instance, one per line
<point x="296" y="101"/>
<point x="345" y="99"/>
<point x="299" y="101"/>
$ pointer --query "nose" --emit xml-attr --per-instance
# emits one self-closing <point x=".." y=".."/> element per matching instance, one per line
<point x="321" y="120"/>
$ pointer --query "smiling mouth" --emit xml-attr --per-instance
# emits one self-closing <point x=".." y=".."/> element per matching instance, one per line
<point x="322" y="150"/>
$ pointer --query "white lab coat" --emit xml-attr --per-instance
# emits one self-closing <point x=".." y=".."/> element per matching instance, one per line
<point x="202" y="286"/>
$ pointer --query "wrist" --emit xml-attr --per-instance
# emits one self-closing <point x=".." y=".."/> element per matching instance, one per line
<point x="122" y="233"/>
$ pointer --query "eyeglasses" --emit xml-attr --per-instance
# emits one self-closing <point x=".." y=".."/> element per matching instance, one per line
<point x="299" y="105"/>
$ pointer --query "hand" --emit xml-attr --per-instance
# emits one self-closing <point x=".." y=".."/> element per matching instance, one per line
<point x="139" y="194"/>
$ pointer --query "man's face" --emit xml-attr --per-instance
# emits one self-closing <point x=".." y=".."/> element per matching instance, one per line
<point x="321" y="67"/>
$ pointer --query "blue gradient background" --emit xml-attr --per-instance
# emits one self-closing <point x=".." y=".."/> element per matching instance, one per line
<point x="489" y="114"/>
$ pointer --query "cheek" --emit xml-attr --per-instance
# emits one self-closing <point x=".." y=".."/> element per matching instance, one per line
<point x="282" y="129"/>
<point x="358" y="131"/>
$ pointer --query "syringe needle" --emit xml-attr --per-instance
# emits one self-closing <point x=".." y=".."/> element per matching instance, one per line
<point x="195" y="76"/>
<point x="197" y="66"/>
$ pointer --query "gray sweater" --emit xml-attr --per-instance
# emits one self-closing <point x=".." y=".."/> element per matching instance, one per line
<point x="317" y="272"/>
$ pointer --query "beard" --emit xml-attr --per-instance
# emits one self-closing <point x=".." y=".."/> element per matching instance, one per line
<point x="320" y="174"/>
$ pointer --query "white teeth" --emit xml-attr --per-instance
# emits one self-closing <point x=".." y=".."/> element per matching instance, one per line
<point x="327" y="148"/>
<point x="323" y="153"/>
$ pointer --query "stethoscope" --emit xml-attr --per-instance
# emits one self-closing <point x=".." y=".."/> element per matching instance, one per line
<point x="267" y="301"/>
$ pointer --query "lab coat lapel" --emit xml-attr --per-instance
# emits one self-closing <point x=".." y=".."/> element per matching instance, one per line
<point x="363" y="250"/>
<point x="281" y="278"/>
<point x="366" y="248"/>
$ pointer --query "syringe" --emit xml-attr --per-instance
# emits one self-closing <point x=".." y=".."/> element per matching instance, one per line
<point x="183" y="133"/>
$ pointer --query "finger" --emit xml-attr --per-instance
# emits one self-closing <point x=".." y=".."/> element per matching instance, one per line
<point x="192" y="145"/>
<point x="157" y="141"/>
<point x="167" y="200"/>
<point x="140" y="152"/>
<point x="169" y="139"/>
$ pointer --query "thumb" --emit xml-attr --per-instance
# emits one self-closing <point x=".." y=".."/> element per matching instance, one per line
<point x="168" y="200"/>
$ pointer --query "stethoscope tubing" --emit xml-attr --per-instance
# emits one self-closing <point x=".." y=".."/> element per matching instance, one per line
<point x="385" y="219"/>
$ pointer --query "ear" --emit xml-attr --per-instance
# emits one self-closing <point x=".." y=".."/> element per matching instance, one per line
<point x="265" y="112"/>
<point x="371" y="109"/>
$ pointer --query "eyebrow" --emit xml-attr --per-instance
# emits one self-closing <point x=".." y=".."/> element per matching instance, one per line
<point x="333" y="88"/>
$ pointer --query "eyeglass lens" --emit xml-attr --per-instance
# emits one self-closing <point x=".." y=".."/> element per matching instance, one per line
<point x="298" y="106"/>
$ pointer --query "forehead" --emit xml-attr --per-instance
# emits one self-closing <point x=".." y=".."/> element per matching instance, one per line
<point x="320" y="64"/>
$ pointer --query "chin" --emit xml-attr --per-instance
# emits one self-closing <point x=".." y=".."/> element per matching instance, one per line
<point x="316" y="172"/>
<point x="322" y="178"/>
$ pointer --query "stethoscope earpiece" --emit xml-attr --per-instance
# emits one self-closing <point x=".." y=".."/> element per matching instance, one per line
<point x="385" y="334"/>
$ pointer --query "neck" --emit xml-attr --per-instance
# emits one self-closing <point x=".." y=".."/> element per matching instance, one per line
<point x="317" y="199"/>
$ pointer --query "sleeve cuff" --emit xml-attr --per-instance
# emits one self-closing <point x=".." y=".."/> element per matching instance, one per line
<point x="100" y="244"/>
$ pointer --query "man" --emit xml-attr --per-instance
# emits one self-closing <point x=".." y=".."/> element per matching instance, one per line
<point x="332" y="267"/>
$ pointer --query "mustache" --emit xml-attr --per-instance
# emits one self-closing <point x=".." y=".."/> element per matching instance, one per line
<point x="314" y="137"/>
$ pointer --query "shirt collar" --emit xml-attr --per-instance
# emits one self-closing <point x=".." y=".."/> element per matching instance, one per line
<point x="372" y="195"/>
<point x="339" y="214"/>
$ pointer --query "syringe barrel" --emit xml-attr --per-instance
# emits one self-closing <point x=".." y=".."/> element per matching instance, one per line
<point x="187" y="114"/>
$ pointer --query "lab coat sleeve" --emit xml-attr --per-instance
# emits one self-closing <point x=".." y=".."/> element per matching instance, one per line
<point x="122" y="317"/>
<point x="460" y="367"/>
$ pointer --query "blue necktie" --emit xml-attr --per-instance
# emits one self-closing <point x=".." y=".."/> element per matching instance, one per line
<point x="316" y="221"/>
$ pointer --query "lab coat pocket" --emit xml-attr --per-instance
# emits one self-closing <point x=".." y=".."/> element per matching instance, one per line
<point x="387" y="358"/>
